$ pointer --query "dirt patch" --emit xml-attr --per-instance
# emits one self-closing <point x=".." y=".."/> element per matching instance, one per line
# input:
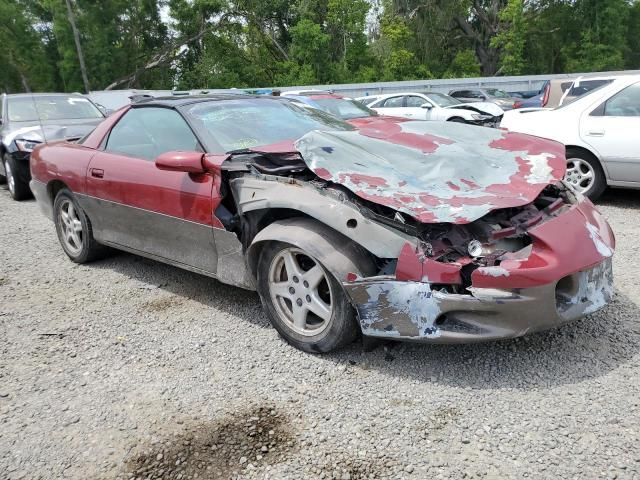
<point x="3" y="281"/>
<point x="355" y="468"/>
<point x="161" y="304"/>
<point x="442" y="417"/>
<point x="219" y="450"/>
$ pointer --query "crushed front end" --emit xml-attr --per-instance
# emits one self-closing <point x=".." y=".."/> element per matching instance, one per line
<point x="511" y="272"/>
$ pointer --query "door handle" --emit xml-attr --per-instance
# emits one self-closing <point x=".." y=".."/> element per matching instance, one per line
<point x="596" y="133"/>
<point x="97" y="172"/>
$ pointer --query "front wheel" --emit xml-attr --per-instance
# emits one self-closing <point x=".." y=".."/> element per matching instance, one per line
<point x="457" y="120"/>
<point x="18" y="189"/>
<point x="303" y="301"/>
<point x="74" y="229"/>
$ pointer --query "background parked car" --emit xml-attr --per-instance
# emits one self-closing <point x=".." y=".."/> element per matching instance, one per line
<point x="524" y="94"/>
<point x="436" y="106"/>
<point x="581" y="86"/>
<point x="337" y="105"/>
<point x="600" y="132"/>
<point x="27" y="120"/>
<point x="495" y="95"/>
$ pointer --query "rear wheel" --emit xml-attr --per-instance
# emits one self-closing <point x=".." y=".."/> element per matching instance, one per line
<point x="18" y="189"/>
<point x="304" y="302"/>
<point x="585" y="174"/>
<point x="74" y="229"/>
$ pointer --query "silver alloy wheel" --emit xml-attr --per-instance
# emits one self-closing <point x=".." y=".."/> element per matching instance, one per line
<point x="71" y="227"/>
<point x="11" y="181"/>
<point x="580" y="174"/>
<point x="300" y="291"/>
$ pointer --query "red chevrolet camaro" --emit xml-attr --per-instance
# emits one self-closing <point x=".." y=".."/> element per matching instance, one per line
<point x="408" y="230"/>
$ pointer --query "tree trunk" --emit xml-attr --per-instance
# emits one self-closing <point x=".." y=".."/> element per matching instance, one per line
<point x="76" y="38"/>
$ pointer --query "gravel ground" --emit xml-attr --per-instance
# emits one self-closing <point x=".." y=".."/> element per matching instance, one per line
<point x="127" y="368"/>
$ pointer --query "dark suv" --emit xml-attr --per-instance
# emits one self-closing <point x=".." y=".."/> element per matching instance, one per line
<point x="27" y="120"/>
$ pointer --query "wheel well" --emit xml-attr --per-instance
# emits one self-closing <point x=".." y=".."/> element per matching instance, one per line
<point x="338" y="253"/>
<point x="581" y="150"/>
<point x="455" y="118"/>
<point x="54" y="187"/>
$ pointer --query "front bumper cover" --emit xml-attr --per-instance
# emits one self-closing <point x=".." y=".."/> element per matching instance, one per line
<point x="413" y="311"/>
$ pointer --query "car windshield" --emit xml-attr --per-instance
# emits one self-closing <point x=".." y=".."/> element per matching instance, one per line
<point x="580" y="87"/>
<point x="570" y="100"/>
<point x="231" y="125"/>
<point x="51" y="107"/>
<point x="443" y="100"/>
<point x="494" y="92"/>
<point x="343" y="108"/>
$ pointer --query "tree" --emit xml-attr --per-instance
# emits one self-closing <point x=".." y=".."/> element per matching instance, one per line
<point x="76" y="40"/>
<point x="510" y="38"/>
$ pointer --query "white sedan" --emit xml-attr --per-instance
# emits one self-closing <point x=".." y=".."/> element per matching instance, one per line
<point x="434" y="106"/>
<point x="600" y="131"/>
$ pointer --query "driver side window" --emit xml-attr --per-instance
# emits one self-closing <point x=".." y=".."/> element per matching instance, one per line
<point x="414" y="101"/>
<point x="147" y="132"/>
<point x="393" y="102"/>
<point x="625" y="103"/>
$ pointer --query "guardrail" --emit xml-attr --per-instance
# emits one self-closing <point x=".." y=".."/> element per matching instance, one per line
<point x="510" y="84"/>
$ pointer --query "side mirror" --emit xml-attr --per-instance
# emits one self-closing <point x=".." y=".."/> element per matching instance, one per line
<point x="188" y="162"/>
<point x="428" y="106"/>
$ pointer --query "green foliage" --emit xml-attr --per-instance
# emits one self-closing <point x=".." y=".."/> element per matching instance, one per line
<point x="511" y="37"/>
<point x="256" y="43"/>
<point x="464" y="65"/>
<point x="602" y="42"/>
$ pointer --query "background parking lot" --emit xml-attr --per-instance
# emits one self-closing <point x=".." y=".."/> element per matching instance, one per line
<point x="128" y="368"/>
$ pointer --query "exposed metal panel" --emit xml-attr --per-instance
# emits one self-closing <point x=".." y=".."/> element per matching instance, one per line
<point x="329" y="207"/>
<point x="433" y="171"/>
<point x="162" y="236"/>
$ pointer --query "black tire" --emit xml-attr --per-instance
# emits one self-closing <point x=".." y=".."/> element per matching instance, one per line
<point x="89" y="250"/>
<point x="3" y="179"/>
<point x="20" y="190"/>
<point x="599" y="184"/>
<point x="340" y="330"/>
<point x="457" y="120"/>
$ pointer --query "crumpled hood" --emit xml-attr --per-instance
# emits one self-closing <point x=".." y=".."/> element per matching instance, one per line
<point x="483" y="107"/>
<point x="435" y="172"/>
<point x="51" y="130"/>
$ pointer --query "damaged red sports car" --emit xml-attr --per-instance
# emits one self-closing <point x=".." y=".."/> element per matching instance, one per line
<point x="410" y="230"/>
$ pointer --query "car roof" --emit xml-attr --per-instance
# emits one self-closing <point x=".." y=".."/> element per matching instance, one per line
<point x="178" y="101"/>
<point x="396" y="94"/>
<point x="44" y="94"/>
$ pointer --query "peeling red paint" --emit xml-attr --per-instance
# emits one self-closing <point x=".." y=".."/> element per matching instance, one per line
<point x="323" y="173"/>
<point x="551" y="257"/>
<point x="286" y="146"/>
<point x="418" y="170"/>
<point x="391" y="131"/>
<point x="352" y="277"/>
<point x="358" y="179"/>
<point x="409" y="266"/>
<point x="469" y="183"/>
<point x="413" y="266"/>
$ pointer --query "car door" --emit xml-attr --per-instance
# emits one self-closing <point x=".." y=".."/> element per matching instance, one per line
<point x="414" y="108"/>
<point x="612" y="130"/>
<point x="465" y="96"/>
<point x="393" y="106"/>
<point x="138" y="207"/>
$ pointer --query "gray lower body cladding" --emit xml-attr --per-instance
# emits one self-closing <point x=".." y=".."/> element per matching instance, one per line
<point x="412" y="311"/>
